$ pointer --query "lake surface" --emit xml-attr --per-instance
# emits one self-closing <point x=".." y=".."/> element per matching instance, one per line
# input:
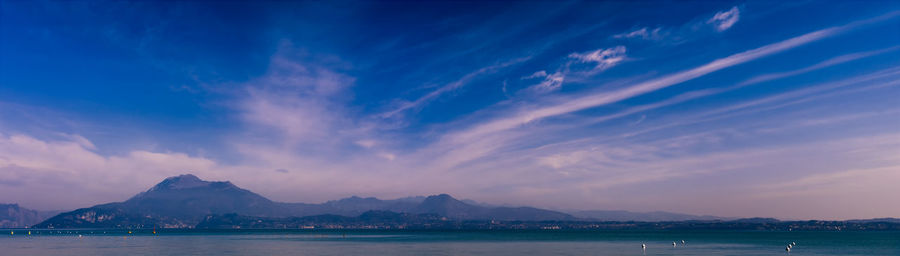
<point x="365" y="242"/>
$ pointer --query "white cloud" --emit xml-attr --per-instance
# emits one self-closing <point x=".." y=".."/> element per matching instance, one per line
<point x="725" y="19"/>
<point x="595" y="61"/>
<point x="76" y="176"/>
<point x="601" y="58"/>
<point x="538" y="74"/>
<point x="642" y="33"/>
<point x="298" y="101"/>
<point x="301" y="120"/>
<point x="551" y="82"/>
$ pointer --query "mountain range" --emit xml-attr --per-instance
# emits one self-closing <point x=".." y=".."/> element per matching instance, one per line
<point x="184" y="201"/>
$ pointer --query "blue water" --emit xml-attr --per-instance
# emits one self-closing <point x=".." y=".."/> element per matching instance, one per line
<point x="556" y="242"/>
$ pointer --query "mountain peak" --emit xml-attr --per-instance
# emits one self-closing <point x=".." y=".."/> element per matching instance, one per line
<point x="441" y="197"/>
<point x="183" y="181"/>
<point x="185" y="177"/>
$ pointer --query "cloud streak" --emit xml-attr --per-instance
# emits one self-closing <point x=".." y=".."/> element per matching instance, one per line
<point x="578" y="64"/>
<point x="598" y="99"/>
<point x="725" y="19"/>
<point x="642" y="33"/>
<point x="452" y="86"/>
<point x="602" y="59"/>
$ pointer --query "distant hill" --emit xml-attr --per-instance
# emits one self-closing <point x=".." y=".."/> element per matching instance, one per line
<point x="885" y="220"/>
<point x="656" y="216"/>
<point x="445" y="205"/>
<point x="353" y="206"/>
<point x="756" y="220"/>
<point x="185" y="200"/>
<point x="14" y="216"/>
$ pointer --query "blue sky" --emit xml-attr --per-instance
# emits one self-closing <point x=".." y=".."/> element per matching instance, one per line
<point x="786" y="110"/>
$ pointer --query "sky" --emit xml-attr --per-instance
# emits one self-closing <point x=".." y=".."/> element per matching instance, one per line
<point x="730" y="108"/>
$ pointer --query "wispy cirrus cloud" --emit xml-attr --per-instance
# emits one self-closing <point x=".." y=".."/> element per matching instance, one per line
<point x="725" y="19"/>
<point x="597" y="99"/>
<point x="536" y="74"/>
<point x="875" y="80"/>
<point x="452" y="86"/>
<point x="719" y="22"/>
<point x="300" y="100"/>
<point x="692" y="95"/>
<point x="644" y="33"/>
<point x="550" y="82"/>
<point x="601" y="59"/>
<point x="577" y="64"/>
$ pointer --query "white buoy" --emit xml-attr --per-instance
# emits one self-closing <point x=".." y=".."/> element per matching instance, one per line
<point x="644" y="246"/>
<point x="787" y="249"/>
<point x="682" y="242"/>
<point x="673" y="244"/>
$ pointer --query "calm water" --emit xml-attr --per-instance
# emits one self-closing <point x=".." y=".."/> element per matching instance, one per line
<point x="98" y="242"/>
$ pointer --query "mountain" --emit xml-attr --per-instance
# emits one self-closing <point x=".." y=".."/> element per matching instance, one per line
<point x="189" y="198"/>
<point x="14" y="216"/>
<point x="353" y="206"/>
<point x="179" y="201"/>
<point x="186" y="200"/>
<point x="445" y="205"/>
<point x="640" y="216"/>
